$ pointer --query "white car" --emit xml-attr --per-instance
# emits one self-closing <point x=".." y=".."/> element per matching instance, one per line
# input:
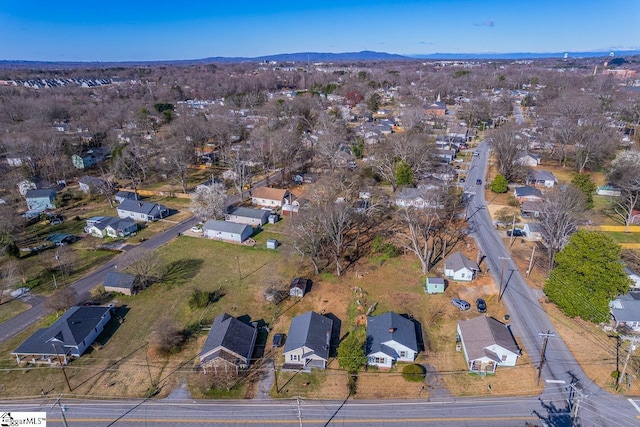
<point x="196" y="229"/>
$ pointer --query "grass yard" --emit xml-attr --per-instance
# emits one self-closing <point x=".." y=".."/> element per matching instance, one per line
<point x="11" y="308"/>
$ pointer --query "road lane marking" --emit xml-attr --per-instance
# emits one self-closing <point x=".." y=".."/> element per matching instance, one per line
<point x="634" y="404"/>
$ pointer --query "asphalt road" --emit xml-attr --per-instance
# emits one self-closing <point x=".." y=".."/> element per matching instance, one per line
<point x="528" y="318"/>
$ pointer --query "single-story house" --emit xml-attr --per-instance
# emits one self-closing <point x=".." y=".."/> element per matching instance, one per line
<point x="110" y="226"/>
<point x="126" y="195"/>
<point x="225" y="230"/>
<point x="530" y="209"/>
<point x="68" y="337"/>
<point x="528" y="193"/>
<point x="119" y="282"/>
<point x="487" y="344"/>
<point x="299" y="287"/>
<point x="252" y="217"/>
<point x="271" y="197"/>
<point x="40" y="199"/>
<point x="460" y="268"/>
<point x="417" y="198"/>
<point x="308" y="342"/>
<point x="529" y="159"/>
<point x="533" y="230"/>
<point x="625" y="311"/>
<point x="435" y="285"/>
<point x="91" y="184"/>
<point x="542" y="178"/>
<point x="447" y="155"/>
<point x="89" y="157"/>
<point x="608" y="190"/>
<point x="391" y="338"/>
<point x="229" y="344"/>
<point x="141" y="211"/>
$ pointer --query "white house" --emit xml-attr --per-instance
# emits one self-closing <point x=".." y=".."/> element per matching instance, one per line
<point x="487" y="344"/>
<point x="225" y="230"/>
<point x="308" y="342"/>
<point x="543" y="178"/>
<point x="625" y="311"/>
<point x="271" y="197"/>
<point x="529" y="159"/>
<point x="460" y="268"/>
<point x="141" y="211"/>
<point x="110" y="226"/>
<point x="248" y="216"/>
<point x="391" y="338"/>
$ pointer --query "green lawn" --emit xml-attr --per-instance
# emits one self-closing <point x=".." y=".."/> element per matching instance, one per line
<point x="11" y="309"/>
<point x="622" y="237"/>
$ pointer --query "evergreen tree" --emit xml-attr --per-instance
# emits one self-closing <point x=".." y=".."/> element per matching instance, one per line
<point x="351" y="354"/>
<point x="404" y="173"/>
<point x="499" y="184"/>
<point x="584" y="183"/>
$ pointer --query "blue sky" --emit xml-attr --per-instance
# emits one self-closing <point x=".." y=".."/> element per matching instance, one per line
<point x="119" y="30"/>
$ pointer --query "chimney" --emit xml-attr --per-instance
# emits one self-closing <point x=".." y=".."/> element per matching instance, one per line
<point x="392" y="330"/>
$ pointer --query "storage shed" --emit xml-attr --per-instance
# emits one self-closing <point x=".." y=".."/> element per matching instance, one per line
<point x="435" y="285"/>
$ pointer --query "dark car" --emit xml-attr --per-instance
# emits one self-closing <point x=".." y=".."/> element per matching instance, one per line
<point x="516" y="233"/>
<point x="481" y="305"/>
<point x="278" y="340"/>
<point x="478" y="182"/>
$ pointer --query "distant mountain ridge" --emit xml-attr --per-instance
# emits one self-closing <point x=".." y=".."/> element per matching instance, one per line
<point x="311" y="57"/>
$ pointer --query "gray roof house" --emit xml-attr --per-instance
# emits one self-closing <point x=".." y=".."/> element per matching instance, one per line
<point x="141" y="211"/>
<point x="91" y="184"/>
<point x="527" y="193"/>
<point x="625" y="311"/>
<point x="543" y="178"/>
<point x="229" y="344"/>
<point x="124" y="195"/>
<point x="487" y="343"/>
<point x="308" y="342"/>
<point x="110" y="226"/>
<point x="252" y="217"/>
<point x="460" y="268"/>
<point x="40" y="199"/>
<point x="119" y="282"/>
<point x="226" y="230"/>
<point x="68" y="337"/>
<point x="390" y="338"/>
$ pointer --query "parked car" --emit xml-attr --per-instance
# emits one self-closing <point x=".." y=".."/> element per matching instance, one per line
<point x="481" y="305"/>
<point x="461" y="304"/>
<point x="461" y="179"/>
<point x="478" y="182"/>
<point x="516" y="233"/>
<point x="476" y="154"/>
<point x="278" y="340"/>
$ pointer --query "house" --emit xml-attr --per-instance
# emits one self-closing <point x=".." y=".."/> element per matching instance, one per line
<point x="108" y="226"/>
<point x="40" y="200"/>
<point x="299" y="287"/>
<point x="89" y="158"/>
<point x="290" y="207"/>
<point x="528" y="193"/>
<point x="229" y="344"/>
<point x="91" y="184"/>
<point x="487" y="344"/>
<point x="529" y="159"/>
<point x="391" y="338"/>
<point x="625" y="311"/>
<point x="438" y="108"/>
<point x="435" y="285"/>
<point x="533" y="230"/>
<point x="635" y="277"/>
<point x="119" y="282"/>
<point x="608" y="190"/>
<point x="126" y="195"/>
<point x="542" y="178"/>
<point x="447" y="155"/>
<point x="68" y="337"/>
<point x="460" y="268"/>
<point x="225" y="230"/>
<point x="530" y="209"/>
<point x="141" y="211"/>
<point x="271" y="197"/>
<point x="418" y="198"/>
<point x="252" y="217"/>
<point x="308" y="342"/>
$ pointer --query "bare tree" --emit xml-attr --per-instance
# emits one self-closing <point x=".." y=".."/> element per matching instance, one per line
<point x="308" y="237"/>
<point x="560" y="214"/>
<point x="62" y="299"/>
<point x="208" y="201"/>
<point x="178" y="155"/>
<point x="507" y="145"/>
<point x="332" y="134"/>
<point x="9" y="276"/>
<point x="625" y="174"/>
<point x="147" y="266"/>
<point x="167" y="336"/>
<point x="595" y="146"/>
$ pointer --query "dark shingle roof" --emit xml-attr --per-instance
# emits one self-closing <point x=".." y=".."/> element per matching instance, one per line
<point x="387" y="327"/>
<point x="40" y="193"/>
<point x="458" y="260"/>
<point x="248" y="212"/>
<point x="71" y="329"/>
<point x="225" y="226"/>
<point x="528" y="191"/>
<point x="231" y="334"/>
<point x="119" y="280"/>
<point x="311" y="330"/>
<point x="484" y="331"/>
<point x="139" y="207"/>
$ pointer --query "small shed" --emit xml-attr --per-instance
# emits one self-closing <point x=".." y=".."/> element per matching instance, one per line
<point x="119" y="282"/>
<point x="299" y="286"/>
<point x="273" y="218"/>
<point x="435" y="285"/>
<point x="272" y="243"/>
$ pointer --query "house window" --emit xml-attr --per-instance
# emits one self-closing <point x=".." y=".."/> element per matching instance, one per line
<point x="295" y="357"/>
<point x="504" y="357"/>
<point x="379" y="360"/>
<point x="403" y="354"/>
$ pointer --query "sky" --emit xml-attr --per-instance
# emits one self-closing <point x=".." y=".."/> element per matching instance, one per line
<point x="143" y="30"/>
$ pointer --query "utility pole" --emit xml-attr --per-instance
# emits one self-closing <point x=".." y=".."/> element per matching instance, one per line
<point x="504" y="259"/>
<point x="575" y="396"/>
<point x="62" y="366"/>
<point x="533" y="253"/>
<point x="63" y="409"/>
<point x="299" y="411"/>
<point x="275" y="377"/>
<point x="626" y="361"/>
<point x="513" y="228"/>
<point x="617" y="338"/>
<point x="545" y="336"/>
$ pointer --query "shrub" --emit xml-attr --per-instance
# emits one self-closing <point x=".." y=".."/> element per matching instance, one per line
<point x="499" y="184"/>
<point x="414" y="373"/>
<point x="199" y="299"/>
